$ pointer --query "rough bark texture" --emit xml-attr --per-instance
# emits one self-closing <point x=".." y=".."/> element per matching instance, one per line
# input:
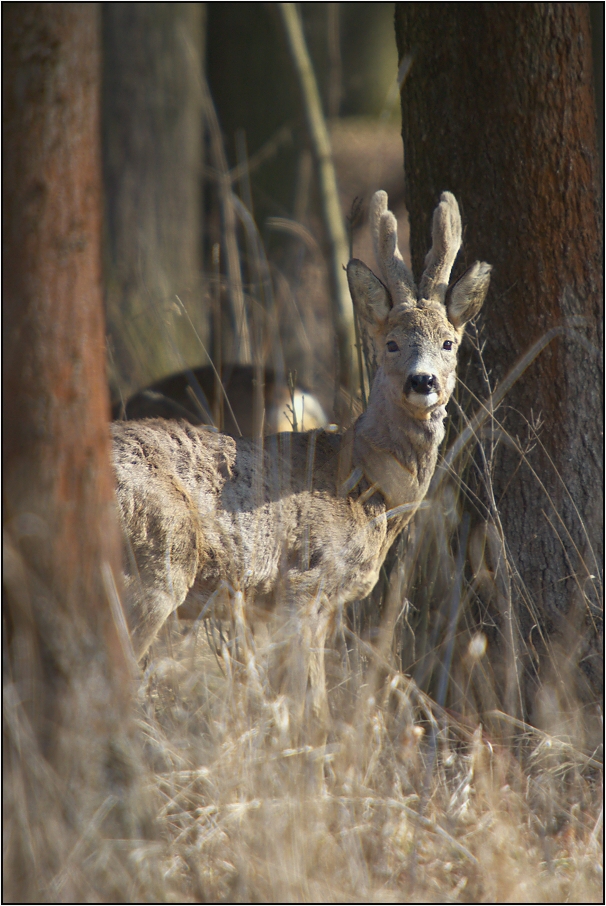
<point x="67" y="746"/>
<point x="152" y="161"/>
<point x="498" y="108"/>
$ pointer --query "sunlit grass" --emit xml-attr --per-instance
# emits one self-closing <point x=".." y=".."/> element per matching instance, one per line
<point x="415" y="804"/>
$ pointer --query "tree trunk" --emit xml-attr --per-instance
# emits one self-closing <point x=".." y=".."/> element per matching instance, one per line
<point x="152" y="133"/>
<point x="498" y="108"/>
<point x="68" y="754"/>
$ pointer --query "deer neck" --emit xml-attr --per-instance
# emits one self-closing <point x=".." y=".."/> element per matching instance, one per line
<point x="395" y="450"/>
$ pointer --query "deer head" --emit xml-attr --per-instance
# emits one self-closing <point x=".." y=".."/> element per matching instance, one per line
<point x="413" y="334"/>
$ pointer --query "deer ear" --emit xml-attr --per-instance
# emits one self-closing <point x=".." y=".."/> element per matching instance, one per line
<point x="465" y="298"/>
<point x="370" y="297"/>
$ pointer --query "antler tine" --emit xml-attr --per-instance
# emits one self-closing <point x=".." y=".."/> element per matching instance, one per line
<point x="384" y="229"/>
<point x="446" y="242"/>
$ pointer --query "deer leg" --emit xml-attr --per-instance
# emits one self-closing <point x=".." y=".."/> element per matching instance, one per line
<point x="297" y="669"/>
<point x="147" y="609"/>
<point x="316" y="705"/>
<point x="156" y="582"/>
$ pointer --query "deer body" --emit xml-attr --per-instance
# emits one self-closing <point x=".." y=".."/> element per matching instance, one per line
<point x="268" y="524"/>
<point x="302" y="521"/>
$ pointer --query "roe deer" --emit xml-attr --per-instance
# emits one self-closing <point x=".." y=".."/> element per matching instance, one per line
<point x="301" y="522"/>
<point x="191" y="394"/>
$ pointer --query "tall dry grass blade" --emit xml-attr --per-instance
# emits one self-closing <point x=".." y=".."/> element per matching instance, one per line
<point x="242" y="351"/>
<point x="499" y="394"/>
<point x="455" y="606"/>
<point x="333" y="219"/>
<point x="211" y="363"/>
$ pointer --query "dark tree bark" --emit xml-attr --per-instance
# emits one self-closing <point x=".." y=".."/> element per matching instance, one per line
<point x="68" y="753"/>
<point x="152" y="161"/>
<point x="498" y="108"/>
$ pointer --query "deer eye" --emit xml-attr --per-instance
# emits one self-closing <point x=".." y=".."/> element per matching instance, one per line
<point x="392" y="347"/>
<point x="447" y="344"/>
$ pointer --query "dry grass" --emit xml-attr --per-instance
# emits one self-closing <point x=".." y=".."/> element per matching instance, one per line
<point x="416" y="804"/>
<point x="448" y="797"/>
<point x="431" y="787"/>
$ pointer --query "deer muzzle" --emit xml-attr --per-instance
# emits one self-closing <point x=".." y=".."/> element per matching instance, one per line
<point x="422" y="383"/>
<point x="422" y="393"/>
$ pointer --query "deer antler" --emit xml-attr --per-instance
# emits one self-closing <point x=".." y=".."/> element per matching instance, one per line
<point x="446" y="242"/>
<point x="384" y="229"/>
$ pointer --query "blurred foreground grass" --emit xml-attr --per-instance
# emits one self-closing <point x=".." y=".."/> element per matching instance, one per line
<point x="417" y="805"/>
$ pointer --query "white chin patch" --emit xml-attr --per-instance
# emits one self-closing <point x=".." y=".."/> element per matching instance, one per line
<point x="423" y="400"/>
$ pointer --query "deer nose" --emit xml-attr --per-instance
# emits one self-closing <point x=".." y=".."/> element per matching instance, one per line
<point x="423" y="383"/>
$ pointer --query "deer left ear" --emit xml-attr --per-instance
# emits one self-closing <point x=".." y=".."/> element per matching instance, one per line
<point x="465" y="298"/>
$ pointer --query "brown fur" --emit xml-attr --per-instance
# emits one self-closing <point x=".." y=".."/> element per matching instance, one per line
<point x="299" y="521"/>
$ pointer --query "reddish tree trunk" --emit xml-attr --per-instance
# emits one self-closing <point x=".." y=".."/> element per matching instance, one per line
<point x="498" y="108"/>
<point x="68" y="745"/>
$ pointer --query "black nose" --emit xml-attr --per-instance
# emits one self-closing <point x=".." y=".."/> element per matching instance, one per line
<point x="423" y="383"/>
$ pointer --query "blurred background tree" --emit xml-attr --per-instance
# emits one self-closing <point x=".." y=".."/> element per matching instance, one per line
<point x="152" y="151"/>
